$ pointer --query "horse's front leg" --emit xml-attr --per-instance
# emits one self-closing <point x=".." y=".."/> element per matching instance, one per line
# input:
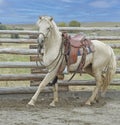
<point x="55" y="95"/>
<point x="42" y="85"/>
<point x="55" y="91"/>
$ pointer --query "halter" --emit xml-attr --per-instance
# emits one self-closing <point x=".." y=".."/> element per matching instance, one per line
<point x="45" y="36"/>
<point x="40" y="45"/>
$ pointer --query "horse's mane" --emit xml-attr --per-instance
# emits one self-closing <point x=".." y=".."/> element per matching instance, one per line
<point x="55" y="31"/>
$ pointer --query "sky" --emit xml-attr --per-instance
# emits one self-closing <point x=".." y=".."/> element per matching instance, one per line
<point x="28" y="11"/>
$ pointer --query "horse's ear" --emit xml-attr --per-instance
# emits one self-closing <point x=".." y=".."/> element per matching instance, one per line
<point x="40" y="17"/>
<point x="51" y="18"/>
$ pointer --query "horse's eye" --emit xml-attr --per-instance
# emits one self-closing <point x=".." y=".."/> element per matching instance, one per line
<point x="48" y="28"/>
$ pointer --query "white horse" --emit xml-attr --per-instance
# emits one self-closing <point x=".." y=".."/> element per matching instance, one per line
<point x="101" y="64"/>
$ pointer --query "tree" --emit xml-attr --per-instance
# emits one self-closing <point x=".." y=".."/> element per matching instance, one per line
<point x="74" y="23"/>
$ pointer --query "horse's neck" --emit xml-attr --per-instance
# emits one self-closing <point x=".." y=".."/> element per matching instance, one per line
<point x="53" y="42"/>
<point x="52" y="47"/>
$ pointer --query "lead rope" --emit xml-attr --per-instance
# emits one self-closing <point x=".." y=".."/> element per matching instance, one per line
<point x="60" y="53"/>
<point x="38" y="55"/>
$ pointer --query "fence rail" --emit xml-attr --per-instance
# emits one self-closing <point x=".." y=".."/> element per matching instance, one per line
<point x="18" y="51"/>
<point x="27" y="51"/>
<point x="33" y="52"/>
<point x="24" y="41"/>
<point x="20" y="65"/>
<point x="27" y="32"/>
<point x="90" y="28"/>
<point x="21" y="77"/>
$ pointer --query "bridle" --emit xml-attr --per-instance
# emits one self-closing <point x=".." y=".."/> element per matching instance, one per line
<point x="40" y="44"/>
<point x="49" y="29"/>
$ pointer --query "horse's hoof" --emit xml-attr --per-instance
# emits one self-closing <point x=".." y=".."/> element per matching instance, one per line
<point x="31" y="103"/>
<point x="52" y="104"/>
<point x="29" y="106"/>
<point x="88" y="103"/>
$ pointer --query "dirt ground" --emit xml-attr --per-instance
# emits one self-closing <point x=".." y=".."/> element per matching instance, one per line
<point x="69" y="111"/>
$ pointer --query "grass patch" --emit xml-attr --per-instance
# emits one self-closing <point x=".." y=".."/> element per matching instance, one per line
<point x="14" y="58"/>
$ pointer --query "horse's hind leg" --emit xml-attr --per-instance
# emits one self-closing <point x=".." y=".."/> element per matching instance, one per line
<point x="98" y="78"/>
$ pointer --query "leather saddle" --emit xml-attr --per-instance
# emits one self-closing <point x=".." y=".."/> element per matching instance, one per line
<point x="73" y="45"/>
<point x="76" y="41"/>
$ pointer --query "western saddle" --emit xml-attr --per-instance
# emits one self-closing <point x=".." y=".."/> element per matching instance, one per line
<point x="76" y="46"/>
<point x="75" y="41"/>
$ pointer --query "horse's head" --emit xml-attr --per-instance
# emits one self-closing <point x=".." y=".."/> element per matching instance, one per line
<point x="49" y="36"/>
<point x="44" y="24"/>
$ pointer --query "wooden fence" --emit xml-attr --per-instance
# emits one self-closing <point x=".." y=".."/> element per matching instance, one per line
<point x="33" y="52"/>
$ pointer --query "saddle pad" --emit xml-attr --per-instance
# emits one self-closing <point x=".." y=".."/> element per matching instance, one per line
<point x="88" y="49"/>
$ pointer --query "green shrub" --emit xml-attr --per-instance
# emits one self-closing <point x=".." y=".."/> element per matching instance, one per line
<point x="3" y="27"/>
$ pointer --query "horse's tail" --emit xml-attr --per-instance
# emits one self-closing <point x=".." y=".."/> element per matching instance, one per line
<point x="109" y="73"/>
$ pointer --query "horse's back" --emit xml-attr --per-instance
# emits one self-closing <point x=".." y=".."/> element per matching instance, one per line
<point x="102" y="53"/>
<point x="101" y="48"/>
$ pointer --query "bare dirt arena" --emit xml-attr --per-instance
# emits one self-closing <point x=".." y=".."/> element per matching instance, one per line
<point x="69" y="111"/>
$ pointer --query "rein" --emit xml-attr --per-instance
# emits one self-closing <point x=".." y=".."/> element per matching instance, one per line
<point x="58" y="57"/>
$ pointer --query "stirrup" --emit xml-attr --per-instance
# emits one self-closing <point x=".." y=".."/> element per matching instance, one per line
<point x="65" y="70"/>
